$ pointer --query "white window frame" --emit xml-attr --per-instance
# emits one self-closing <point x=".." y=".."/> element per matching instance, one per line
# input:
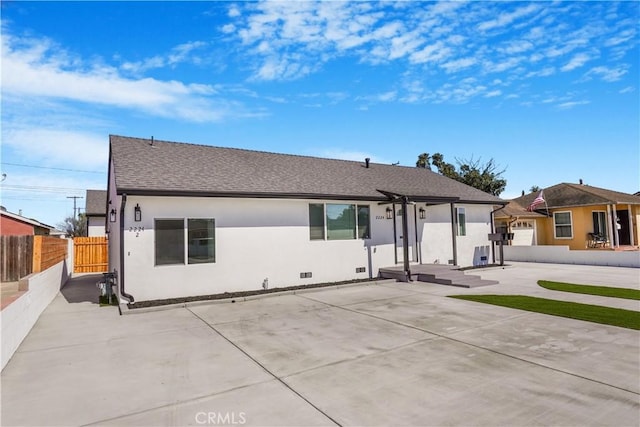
<point x="185" y="242"/>
<point x="555" y="225"/>
<point x="357" y="224"/>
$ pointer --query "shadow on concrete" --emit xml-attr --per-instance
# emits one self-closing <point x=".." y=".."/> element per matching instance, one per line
<point x="82" y="288"/>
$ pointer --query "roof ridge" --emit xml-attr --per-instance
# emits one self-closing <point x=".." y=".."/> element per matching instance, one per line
<point x="580" y="187"/>
<point x="259" y="151"/>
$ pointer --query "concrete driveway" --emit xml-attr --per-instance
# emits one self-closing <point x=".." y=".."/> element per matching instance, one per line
<point x="378" y="354"/>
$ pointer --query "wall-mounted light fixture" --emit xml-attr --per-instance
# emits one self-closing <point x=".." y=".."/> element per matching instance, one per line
<point x="112" y="215"/>
<point x="137" y="213"/>
<point x="423" y="213"/>
<point x="389" y="213"/>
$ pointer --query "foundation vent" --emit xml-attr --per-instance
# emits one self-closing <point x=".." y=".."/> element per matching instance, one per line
<point x="305" y="275"/>
<point x="361" y="269"/>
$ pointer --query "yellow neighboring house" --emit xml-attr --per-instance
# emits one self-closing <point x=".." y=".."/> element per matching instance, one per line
<point x="575" y="215"/>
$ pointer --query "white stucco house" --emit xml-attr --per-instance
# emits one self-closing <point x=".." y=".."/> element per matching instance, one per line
<point x="95" y="211"/>
<point x="189" y="220"/>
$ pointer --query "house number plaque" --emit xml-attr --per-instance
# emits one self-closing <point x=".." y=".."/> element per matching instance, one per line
<point x="136" y="230"/>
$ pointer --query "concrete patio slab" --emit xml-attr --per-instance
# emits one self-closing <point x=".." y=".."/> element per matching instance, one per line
<point x="441" y="382"/>
<point x="271" y="404"/>
<point x="385" y="354"/>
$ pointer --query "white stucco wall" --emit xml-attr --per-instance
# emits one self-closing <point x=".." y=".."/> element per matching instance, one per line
<point x="258" y="239"/>
<point x="95" y="227"/>
<point x="436" y="235"/>
<point x="476" y="243"/>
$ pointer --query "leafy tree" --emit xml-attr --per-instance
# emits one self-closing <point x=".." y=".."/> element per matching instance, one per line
<point x="424" y="161"/>
<point x="486" y="177"/>
<point x="74" y="227"/>
<point x="534" y="189"/>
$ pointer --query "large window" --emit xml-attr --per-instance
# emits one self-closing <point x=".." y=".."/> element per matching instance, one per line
<point x="169" y="241"/>
<point x="335" y="221"/>
<point x="461" y="218"/>
<point x="341" y="222"/>
<point x="202" y="248"/>
<point x="562" y="225"/>
<point x="316" y="221"/>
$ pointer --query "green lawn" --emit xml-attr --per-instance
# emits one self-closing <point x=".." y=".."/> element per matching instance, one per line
<point x="591" y="290"/>
<point x="573" y="310"/>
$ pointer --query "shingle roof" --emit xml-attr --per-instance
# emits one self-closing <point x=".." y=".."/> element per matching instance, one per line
<point x="515" y="209"/>
<point x="189" y="169"/>
<point x="568" y="195"/>
<point x="96" y="203"/>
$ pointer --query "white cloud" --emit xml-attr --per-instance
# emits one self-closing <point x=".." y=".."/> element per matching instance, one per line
<point x="507" y="18"/>
<point x="50" y="146"/>
<point x="493" y="94"/>
<point x="627" y="89"/>
<point x="228" y="28"/>
<point x="440" y="41"/>
<point x="459" y="64"/>
<point x="608" y="74"/>
<point x="571" y="104"/>
<point x="39" y="68"/>
<point x="433" y="53"/>
<point x="577" y="61"/>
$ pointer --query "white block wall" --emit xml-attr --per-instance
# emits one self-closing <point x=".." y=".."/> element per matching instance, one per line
<point x="20" y="316"/>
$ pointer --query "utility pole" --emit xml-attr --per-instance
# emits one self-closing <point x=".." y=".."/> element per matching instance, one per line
<point x="74" y="203"/>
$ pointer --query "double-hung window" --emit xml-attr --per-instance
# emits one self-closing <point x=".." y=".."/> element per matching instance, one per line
<point x="562" y="224"/>
<point x="173" y="240"/>
<point x="337" y="221"/>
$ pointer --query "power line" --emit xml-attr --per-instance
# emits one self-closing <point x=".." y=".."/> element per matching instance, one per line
<point x="39" y="188"/>
<point x="45" y="167"/>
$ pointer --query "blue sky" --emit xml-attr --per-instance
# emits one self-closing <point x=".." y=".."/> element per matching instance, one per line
<point x="549" y="90"/>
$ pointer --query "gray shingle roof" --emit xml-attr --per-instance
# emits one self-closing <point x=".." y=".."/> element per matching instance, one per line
<point x="515" y="209"/>
<point x="96" y="202"/>
<point x="568" y="195"/>
<point x="189" y="169"/>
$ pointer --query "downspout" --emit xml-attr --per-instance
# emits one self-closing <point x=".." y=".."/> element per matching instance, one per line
<point x="454" y="222"/>
<point x="493" y="230"/>
<point x="122" y="292"/>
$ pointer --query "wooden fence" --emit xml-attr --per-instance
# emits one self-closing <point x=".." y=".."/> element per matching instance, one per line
<point x="48" y="251"/>
<point x="90" y="255"/>
<point x="23" y="255"/>
<point x="17" y="257"/>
